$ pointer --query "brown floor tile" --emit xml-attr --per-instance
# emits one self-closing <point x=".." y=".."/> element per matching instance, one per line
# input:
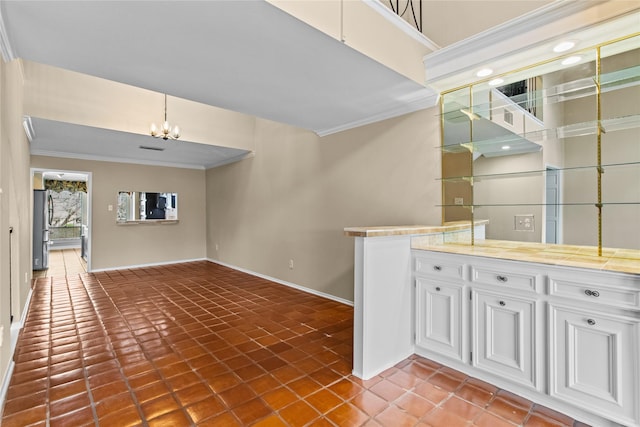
<point x="205" y="409"/>
<point x="201" y="344"/>
<point x="252" y="411"/>
<point x="394" y="416"/>
<point x="414" y="405"/>
<point x="387" y="390"/>
<point x="299" y="413"/>
<point x="81" y="417"/>
<point x="348" y="415"/>
<point x="279" y="398"/>
<point x="487" y="419"/>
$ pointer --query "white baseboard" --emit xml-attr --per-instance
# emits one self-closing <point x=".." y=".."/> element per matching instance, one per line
<point x="153" y="264"/>
<point x="285" y="283"/>
<point x="6" y="379"/>
<point x="14" y="333"/>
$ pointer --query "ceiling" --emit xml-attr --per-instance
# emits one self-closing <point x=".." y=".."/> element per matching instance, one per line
<point x="245" y="56"/>
<point x="54" y="138"/>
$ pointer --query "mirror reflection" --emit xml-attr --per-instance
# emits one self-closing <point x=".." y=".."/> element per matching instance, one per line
<point x="550" y="154"/>
<point x="138" y="206"/>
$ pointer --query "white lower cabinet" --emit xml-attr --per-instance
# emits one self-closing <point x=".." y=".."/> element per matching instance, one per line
<point x="594" y="362"/>
<point x="504" y="336"/>
<point x="568" y="337"/>
<point x="440" y="317"/>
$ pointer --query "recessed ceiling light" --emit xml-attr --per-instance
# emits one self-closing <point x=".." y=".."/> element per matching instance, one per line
<point x="496" y="82"/>
<point x="571" y="60"/>
<point x="563" y="46"/>
<point x="505" y="147"/>
<point x="484" y="72"/>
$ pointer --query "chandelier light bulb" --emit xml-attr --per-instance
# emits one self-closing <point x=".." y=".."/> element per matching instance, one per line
<point x="166" y="131"/>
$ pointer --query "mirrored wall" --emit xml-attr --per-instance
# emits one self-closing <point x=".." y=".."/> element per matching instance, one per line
<point x="550" y="154"/>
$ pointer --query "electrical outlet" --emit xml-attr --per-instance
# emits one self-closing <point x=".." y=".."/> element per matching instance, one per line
<point x="524" y="222"/>
<point x="290" y="264"/>
<point x="1" y="334"/>
<point x="110" y="208"/>
<point x="217" y="247"/>
<point x="458" y="201"/>
<point x="26" y="277"/>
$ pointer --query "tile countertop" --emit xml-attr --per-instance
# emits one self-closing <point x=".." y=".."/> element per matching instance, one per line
<point x="399" y="230"/>
<point x="620" y="260"/>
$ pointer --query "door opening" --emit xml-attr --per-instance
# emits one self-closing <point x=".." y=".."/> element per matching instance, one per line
<point x="64" y="221"/>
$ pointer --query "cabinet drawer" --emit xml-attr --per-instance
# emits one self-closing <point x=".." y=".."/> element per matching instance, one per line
<point x="438" y="268"/>
<point x="595" y="291"/>
<point x="505" y="278"/>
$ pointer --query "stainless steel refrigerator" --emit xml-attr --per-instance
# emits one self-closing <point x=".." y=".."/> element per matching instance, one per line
<point x="42" y="214"/>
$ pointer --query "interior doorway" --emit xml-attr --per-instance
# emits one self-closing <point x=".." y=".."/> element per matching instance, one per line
<point x="62" y="218"/>
<point x="553" y="216"/>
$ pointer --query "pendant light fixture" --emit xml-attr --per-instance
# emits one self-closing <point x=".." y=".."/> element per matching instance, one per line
<point x="166" y="131"/>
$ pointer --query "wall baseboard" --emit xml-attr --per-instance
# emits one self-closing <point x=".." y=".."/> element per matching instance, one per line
<point x="285" y="283"/>
<point x="153" y="264"/>
<point x="14" y="333"/>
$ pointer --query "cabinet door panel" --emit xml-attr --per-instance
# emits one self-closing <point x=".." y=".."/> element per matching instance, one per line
<point x="503" y="338"/>
<point x="439" y="317"/>
<point x="592" y="361"/>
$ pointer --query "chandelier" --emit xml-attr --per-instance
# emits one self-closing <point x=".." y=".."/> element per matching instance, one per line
<point x="166" y="131"/>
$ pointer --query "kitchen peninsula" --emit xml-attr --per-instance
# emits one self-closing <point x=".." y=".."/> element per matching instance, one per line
<point x="557" y="324"/>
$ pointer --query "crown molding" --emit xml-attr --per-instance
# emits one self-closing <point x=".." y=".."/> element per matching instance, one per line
<point x="5" y="45"/>
<point x="525" y="40"/>
<point x="423" y="99"/>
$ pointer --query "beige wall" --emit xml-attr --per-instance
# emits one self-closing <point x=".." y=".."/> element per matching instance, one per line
<point x="293" y="199"/>
<point x="518" y="189"/>
<point x="364" y="29"/>
<point x="15" y="206"/>
<point x="115" y="245"/>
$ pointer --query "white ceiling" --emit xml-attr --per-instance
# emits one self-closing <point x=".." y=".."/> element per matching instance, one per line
<point x="245" y="56"/>
<point x="53" y="138"/>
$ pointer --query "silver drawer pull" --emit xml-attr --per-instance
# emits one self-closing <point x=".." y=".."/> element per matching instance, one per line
<point x="437" y="268"/>
<point x="591" y="293"/>
<point x="502" y="303"/>
<point x="502" y="279"/>
<point x="591" y="322"/>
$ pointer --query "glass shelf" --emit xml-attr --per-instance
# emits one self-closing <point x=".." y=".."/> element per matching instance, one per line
<point x="480" y="177"/>
<point x="581" y="88"/>
<point x="514" y="141"/>
<point x="483" y="205"/>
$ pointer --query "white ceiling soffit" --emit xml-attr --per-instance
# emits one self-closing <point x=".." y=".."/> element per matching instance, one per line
<point x="245" y="56"/>
<point x="530" y="39"/>
<point x="60" y="139"/>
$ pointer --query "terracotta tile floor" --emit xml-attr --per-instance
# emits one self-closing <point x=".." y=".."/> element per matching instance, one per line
<point x="201" y="344"/>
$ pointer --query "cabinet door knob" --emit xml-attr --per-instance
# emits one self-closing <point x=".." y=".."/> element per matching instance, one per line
<point x="438" y="288"/>
<point x="502" y="279"/>
<point x="591" y="293"/>
<point x="591" y="322"/>
<point x="502" y="303"/>
<point x="437" y="268"/>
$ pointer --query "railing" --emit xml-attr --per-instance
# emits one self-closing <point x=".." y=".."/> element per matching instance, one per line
<point x="56" y="233"/>
<point x="410" y="10"/>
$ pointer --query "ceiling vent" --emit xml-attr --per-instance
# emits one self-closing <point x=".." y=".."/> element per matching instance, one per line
<point x="146" y="147"/>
